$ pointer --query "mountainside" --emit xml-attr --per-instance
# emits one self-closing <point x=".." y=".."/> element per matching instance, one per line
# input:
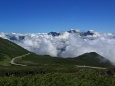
<point x="87" y="59"/>
<point x="93" y="58"/>
<point x="9" y="50"/>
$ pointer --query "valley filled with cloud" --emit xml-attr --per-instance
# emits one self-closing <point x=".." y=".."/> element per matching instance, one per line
<point x="66" y="44"/>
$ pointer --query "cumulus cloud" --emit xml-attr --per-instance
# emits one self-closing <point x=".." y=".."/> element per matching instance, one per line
<point x="46" y="47"/>
<point x="68" y="44"/>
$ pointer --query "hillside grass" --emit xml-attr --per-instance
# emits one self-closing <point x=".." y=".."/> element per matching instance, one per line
<point x="34" y="59"/>
<point x="9" y="50"/>
<point x="5" y="61"/>
<point x="93" y="59"/>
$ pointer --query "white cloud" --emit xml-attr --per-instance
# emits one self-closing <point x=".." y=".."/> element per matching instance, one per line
<point x="46" y="48"/>
<point x="68" y="44"/>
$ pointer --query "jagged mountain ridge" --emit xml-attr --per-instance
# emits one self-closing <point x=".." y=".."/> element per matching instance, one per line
<point x="91" y="33"/>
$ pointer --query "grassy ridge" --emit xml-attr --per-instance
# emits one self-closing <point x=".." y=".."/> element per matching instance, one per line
<point x="34" y="59"/>
<point x="93" y="59"/>
<point x="9" y="50"/>
<point x="86" y="59"/>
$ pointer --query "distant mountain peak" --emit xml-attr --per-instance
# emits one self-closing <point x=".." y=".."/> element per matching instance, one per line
<point x="74" y="31"/>
<point x="54" y="33"/>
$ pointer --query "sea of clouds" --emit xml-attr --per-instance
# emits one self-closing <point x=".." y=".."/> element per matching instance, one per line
<point x="66" y="44"/>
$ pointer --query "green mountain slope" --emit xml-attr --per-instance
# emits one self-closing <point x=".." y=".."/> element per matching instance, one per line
<point x="94" y="59"/>
<point x="9" y="50"/>
<point x="88" y="59"/>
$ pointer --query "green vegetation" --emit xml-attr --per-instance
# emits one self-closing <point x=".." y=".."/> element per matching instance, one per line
<point x="22" y="71"/>
<point x="93" y="59"/>
<point x="9" y="50"/>
<point x="89" y="59"/>
<point x="34" y="59"/>
<point x="59" y="75"/>
<point x="59" y="79"/>
<point x="5" y="59"/>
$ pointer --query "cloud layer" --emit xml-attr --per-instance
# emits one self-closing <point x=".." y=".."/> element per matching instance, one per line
<point x="67" y="44"/>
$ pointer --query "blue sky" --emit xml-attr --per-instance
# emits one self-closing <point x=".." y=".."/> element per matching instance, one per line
<point x="33" y="16"/>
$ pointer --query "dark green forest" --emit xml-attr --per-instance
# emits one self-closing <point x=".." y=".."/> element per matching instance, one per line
<point x="58" y="75"/>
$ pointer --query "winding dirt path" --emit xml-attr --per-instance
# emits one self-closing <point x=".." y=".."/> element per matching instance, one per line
<point x="13" y="63"/>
